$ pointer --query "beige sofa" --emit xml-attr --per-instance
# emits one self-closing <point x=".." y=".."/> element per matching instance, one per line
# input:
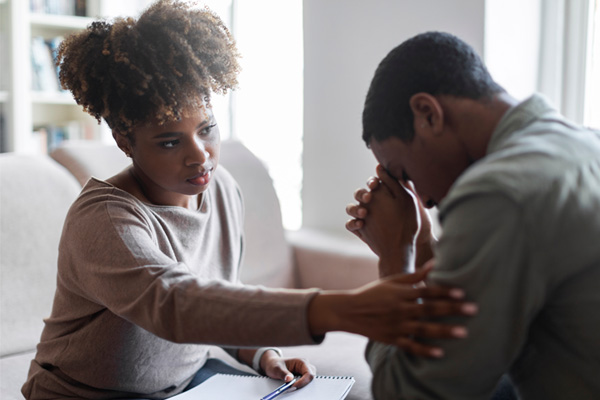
<point x="36" y="192"/>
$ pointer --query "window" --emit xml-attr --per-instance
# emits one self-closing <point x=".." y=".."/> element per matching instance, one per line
<point x="267" y="109"/>
<point x="592" y="98"/>
<point x="570" y="58"/>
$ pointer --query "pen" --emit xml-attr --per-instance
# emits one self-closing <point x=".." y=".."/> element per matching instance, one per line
<point x="280" y="390"/>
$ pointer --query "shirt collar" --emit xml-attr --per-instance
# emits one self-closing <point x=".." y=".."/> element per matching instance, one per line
<point x="517" y="118"/>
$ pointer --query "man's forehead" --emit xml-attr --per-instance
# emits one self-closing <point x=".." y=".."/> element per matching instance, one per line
<point x="389" y="147"/>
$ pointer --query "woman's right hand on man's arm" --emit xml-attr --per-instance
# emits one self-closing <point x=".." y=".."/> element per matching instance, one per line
<point x="396" y="310"/>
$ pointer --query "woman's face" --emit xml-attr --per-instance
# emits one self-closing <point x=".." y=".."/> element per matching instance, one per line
<point x="174" y="163"/>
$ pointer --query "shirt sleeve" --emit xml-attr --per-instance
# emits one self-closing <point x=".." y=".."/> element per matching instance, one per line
<point x="483" y="250"/>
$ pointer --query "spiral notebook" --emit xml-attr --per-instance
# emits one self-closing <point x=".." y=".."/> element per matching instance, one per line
<point x="239" y="387"/>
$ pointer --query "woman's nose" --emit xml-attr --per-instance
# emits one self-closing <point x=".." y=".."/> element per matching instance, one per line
<point x="197" y="153"/>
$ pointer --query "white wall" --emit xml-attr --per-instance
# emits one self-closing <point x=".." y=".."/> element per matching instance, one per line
<point x="344" y="41"/>
<point x="512" y="44"/>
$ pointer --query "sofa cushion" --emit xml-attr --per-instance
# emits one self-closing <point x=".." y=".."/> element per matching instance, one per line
<point x="332" y="262"/>
<point x="85" y="158"/>
<point x="268" y="256"/>
<point x="36" y="194"/>
<point x="13" y="373"/>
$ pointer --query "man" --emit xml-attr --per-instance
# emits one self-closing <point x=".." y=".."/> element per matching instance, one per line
<point x="518" y="190"/>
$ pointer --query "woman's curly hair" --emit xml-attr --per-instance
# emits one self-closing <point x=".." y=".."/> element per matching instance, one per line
<point x="161" y="66"/>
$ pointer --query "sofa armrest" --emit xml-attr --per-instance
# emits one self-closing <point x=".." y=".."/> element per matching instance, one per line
<point x="331" y="262"/>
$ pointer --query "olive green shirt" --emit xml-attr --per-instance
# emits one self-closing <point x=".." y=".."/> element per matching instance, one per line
<point x="521" y="234"/>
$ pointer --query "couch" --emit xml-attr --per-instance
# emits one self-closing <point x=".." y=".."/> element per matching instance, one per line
<point x="36" y="192"/>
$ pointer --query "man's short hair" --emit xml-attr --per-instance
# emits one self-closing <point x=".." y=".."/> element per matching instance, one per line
<point x="436" y="63"/>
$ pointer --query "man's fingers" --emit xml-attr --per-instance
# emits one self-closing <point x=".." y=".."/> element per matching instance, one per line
<point x="354" y="225"/>
<point x="387" y="179"/>
<point x="356" y="211"/>
<point x="373" y="183"/>
<point x="362" y="195"/>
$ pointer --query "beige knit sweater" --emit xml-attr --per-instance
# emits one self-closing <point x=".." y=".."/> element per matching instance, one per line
<point x="141" y="288"/>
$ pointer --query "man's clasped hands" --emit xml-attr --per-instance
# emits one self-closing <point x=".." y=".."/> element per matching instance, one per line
<point x="392" y="221"/>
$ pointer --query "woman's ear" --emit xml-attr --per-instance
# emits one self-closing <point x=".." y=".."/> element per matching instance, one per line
<point x="427" y="112"/>
<point x="123" y="142"/>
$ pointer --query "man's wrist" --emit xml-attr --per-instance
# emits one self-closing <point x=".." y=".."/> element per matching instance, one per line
<point x="401" y="261"/>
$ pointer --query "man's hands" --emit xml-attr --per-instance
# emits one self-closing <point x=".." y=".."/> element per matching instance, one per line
<point x="399" y="309"/>
<point x="285" y="368"/>
<point x="396" y="311"/>
<point x="392" y="210"/>
<point x="386" y="219"/>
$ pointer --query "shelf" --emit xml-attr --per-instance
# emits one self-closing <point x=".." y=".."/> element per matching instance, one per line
<point x="23" y="107"/>
<point x="62" y="22"/>
<point x="52" y="98"/>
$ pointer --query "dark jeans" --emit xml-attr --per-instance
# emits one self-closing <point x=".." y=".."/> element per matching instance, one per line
<point x="212" y="367"/>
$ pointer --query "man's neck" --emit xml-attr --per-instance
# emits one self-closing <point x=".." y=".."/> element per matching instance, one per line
<point x="475" y="120"/>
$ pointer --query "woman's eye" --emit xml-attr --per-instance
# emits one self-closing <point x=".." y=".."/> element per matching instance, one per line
<point x="169" y="144"/>
<point x="207" y="130"/>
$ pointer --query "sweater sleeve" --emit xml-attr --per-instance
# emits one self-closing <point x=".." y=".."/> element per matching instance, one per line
<point x="482" y="250"/>
<point x="112" y="258"/>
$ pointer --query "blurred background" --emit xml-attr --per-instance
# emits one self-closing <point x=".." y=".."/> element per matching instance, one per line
<point x="307" y="65"/>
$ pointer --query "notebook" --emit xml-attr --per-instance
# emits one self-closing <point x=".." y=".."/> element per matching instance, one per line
<point x="239" y="387"/>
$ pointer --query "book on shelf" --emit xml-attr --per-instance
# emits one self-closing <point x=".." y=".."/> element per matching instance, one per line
<point x="59" y="7"/>
<point x="44" y="77"/>
<point x="49" y="136"/>
<point x="39" y="141"/>
<point x="53" y="47"/>
<point x="44" y="71"/>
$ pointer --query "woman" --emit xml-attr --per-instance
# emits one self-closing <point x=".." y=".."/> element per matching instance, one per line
<point x="148" y="264"/>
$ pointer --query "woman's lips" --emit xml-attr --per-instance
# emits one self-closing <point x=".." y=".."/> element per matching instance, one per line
<point x="201" y="179"/>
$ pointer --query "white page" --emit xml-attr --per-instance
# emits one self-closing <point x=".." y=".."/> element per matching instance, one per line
<point x="237" y="387"/>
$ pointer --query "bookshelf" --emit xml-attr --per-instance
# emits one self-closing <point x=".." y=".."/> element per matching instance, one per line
<point x="31" y="114"/>
<point x="58" y="22"/>
<point x="34" y="117"/>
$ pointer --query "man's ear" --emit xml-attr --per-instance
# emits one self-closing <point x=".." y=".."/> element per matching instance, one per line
<point x="428" y="113"/>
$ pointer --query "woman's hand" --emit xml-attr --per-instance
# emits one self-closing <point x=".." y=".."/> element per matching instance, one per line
<point x="398" y="310"/>
<point x="285" y="368"/>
